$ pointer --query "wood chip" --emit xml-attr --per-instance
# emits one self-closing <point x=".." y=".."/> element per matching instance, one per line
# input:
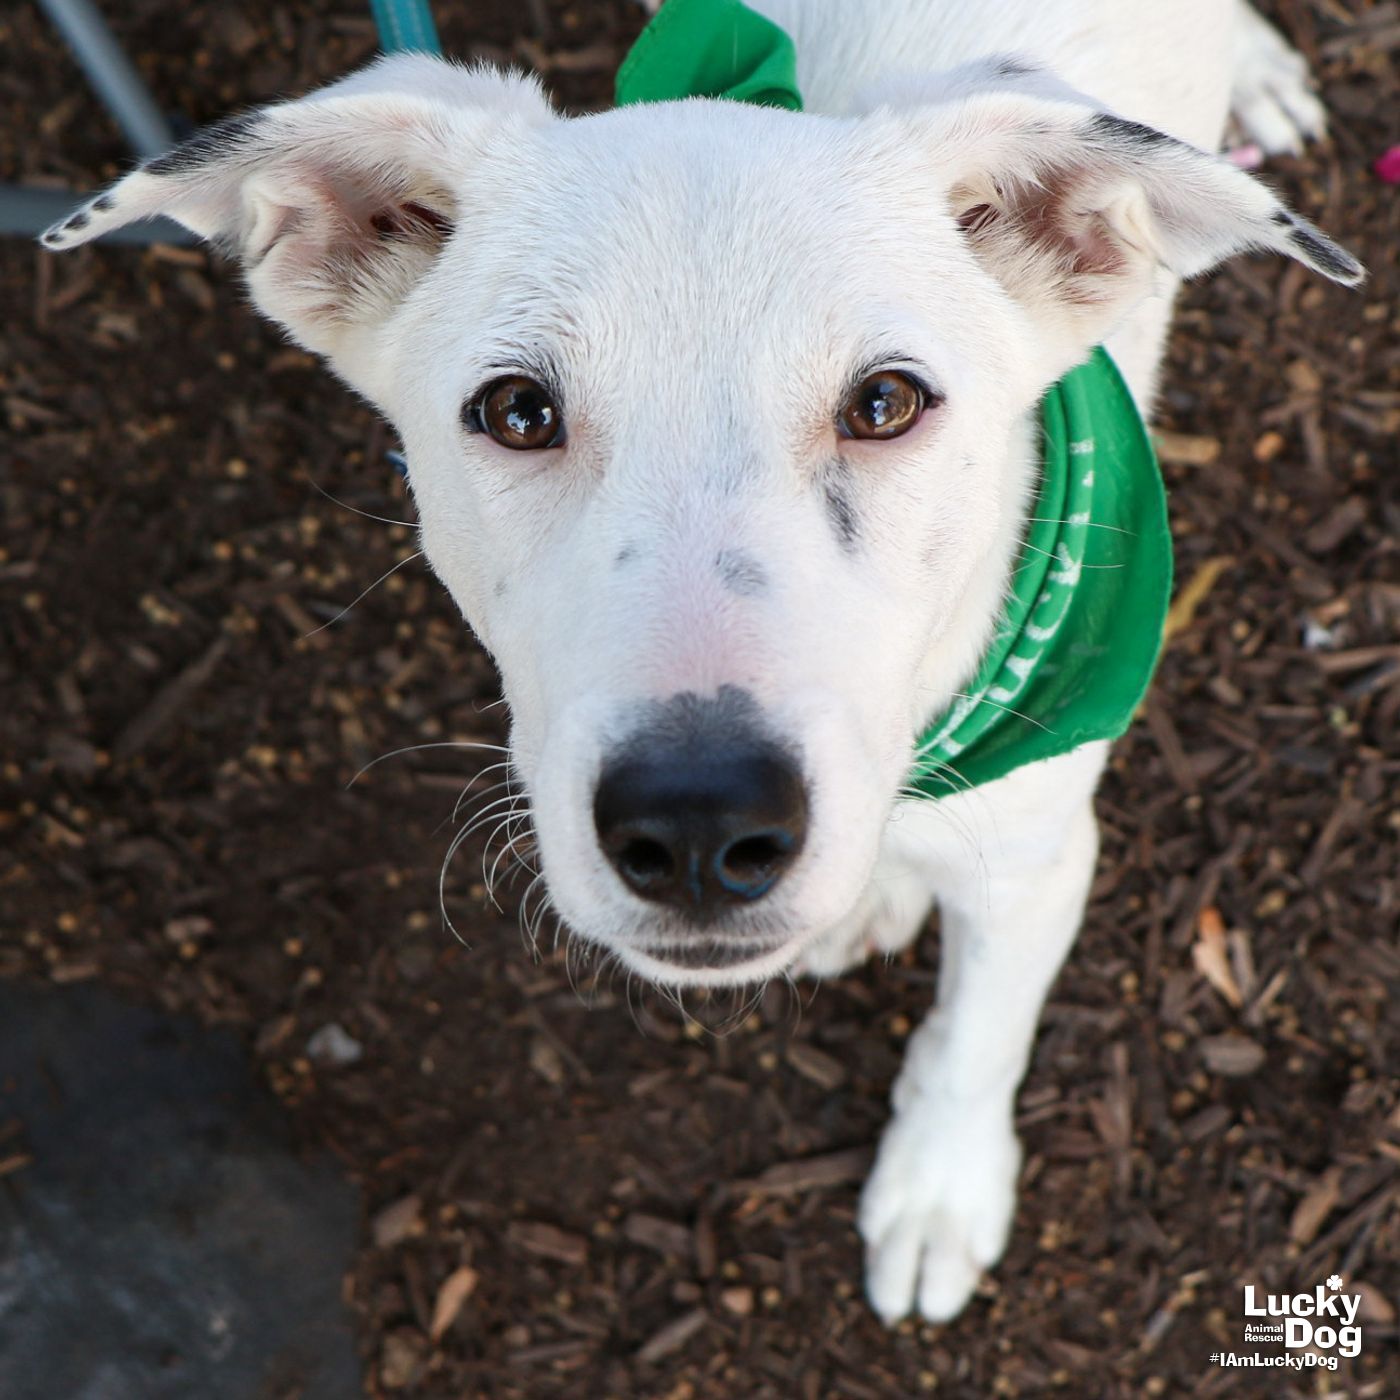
<point x="1336" y="525"/>
<point x="82" y="970"/>
<point x="1164" y="731"/>
<point x="547" y="1062"/>
<point x="548" y="1241"/>
<point x="456" y="1288"/>
<point x="401" y="1359"/>
<point x="811" y="1173"/>
<point x="169" y="701"/>
<point x="822" y="1069"/>
<point x="181" y="257"/>
<point x="1318" y="1202"/>
<point x="1192" y="594"/>
<point x="738" y="1301"/>
<point x="189" y="929"/>
<point x="274" y="1033"/>
<point x="1242" y="960"/>
<point x="664" y="1236"/>
<point x="1206" y="1123"/>
<point x="1303" y="377"/>
<point x="398" y="1222"/>
<point x="556" y="1354"/>
<point x="1210" y="955"/>
<point x="1232" y="1055"/>
<point x="672" y="1337"/>
<point x="1375" y="1306"/>
<point x="706" y="1246"/>
<point x="1333" y="663"/>
<point x="1348" y="1226"/>
<point x="1186" y="449"/>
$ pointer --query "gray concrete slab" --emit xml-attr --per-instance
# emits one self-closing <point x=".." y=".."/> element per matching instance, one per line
<point x="166" y="1240"/>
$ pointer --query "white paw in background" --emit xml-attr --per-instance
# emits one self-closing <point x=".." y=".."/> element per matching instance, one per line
<point x="937" y="1208"/>
<point x="887" y="918"/>
<point x="1272" y="98"/>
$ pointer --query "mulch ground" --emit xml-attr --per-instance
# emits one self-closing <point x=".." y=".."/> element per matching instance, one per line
<point x="577" y="1193"/>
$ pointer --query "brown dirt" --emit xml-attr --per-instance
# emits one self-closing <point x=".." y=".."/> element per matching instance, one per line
<point x="177" y="822"/>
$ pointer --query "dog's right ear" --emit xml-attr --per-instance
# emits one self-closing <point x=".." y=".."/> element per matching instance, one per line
<point x="1075" y="211"/>
<point x="336" y="204"/>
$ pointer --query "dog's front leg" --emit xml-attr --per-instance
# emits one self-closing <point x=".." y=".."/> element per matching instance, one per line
<point x="938" y="1206"/>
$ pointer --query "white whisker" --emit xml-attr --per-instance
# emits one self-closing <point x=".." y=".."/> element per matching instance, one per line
<point x="467" y="793"/>
<point x="417" y="554"/>
<point x="414" y="748"/>
<point x="1092" y="524"/>
<point x="368" y="515"/>
<point x="1035" y="549"/>
<point x="996" y="705"/>
<point x="491" y="810"/>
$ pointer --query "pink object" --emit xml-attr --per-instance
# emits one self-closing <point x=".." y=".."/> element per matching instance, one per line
<point x="1248" y="157"/>
<point x="1388" y="166"/>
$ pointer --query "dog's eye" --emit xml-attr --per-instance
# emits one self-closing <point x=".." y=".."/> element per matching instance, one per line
<point x="518" y="413"/>
<point x="883" y="405"/>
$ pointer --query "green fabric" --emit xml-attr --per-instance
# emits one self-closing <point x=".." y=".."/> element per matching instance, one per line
<point x="1082" y="629"/>
<point x="710" y="48"/>
<point x="1074" y="651"/>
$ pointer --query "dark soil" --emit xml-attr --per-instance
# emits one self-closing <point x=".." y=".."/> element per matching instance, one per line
<point x="648" y="1209"/>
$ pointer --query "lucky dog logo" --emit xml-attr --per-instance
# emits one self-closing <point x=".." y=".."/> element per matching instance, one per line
<point x="1315" y="1329"/>
<point x="1324" y="1318"/>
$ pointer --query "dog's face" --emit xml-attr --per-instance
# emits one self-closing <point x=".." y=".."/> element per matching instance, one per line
<point x="766" y="405"/>
<point x="717" y="422"/>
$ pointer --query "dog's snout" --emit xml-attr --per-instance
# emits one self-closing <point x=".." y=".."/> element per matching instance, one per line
<point x="701" y="824"/>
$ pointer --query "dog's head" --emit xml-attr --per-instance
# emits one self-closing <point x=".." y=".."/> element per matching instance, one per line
<point x="718" y="422"/>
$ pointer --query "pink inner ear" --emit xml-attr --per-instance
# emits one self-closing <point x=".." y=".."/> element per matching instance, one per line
<point x="1066" y="220"/>
<point x="1052" y="223"/>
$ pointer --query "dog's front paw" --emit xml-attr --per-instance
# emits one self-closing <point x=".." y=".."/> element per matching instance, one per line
<point x="1271" y="97"/>
<point x="936" y="1210"/>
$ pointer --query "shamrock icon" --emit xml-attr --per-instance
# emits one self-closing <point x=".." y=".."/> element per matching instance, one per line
<point x="1335" y="1282"/>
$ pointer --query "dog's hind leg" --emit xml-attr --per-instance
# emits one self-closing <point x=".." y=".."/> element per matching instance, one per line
<point x="1272" y="98"/>
<point x="939" y="1203"/>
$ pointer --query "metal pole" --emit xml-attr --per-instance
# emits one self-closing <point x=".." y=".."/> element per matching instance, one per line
<point x="25" y="212"/>
<point x="112" y="75"/>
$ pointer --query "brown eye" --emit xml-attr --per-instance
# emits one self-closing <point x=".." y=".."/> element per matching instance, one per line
<point x="517" y="412"/>
<point x="883" y="405"/>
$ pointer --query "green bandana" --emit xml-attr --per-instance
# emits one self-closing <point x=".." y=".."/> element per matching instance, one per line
<point x="710" y="48"/>
<point x="1075" y="649"/>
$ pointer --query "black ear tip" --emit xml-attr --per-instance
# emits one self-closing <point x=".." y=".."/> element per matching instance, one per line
<point x="1312" y="246"/>
<point x="1355" y="275"/>
<point x="1355" y="268"/>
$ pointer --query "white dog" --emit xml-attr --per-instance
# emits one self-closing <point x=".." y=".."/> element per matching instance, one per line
<point x="725" y="579"/>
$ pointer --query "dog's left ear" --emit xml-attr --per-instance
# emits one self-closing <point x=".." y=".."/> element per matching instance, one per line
<point x="336" y="204"/>
<point x="1074" y="210"/>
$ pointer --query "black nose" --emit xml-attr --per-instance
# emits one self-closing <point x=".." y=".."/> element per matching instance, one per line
<point x="701" y="821"/>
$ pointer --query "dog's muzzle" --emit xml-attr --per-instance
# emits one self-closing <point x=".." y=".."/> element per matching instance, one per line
<point x="699" y="811"/>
